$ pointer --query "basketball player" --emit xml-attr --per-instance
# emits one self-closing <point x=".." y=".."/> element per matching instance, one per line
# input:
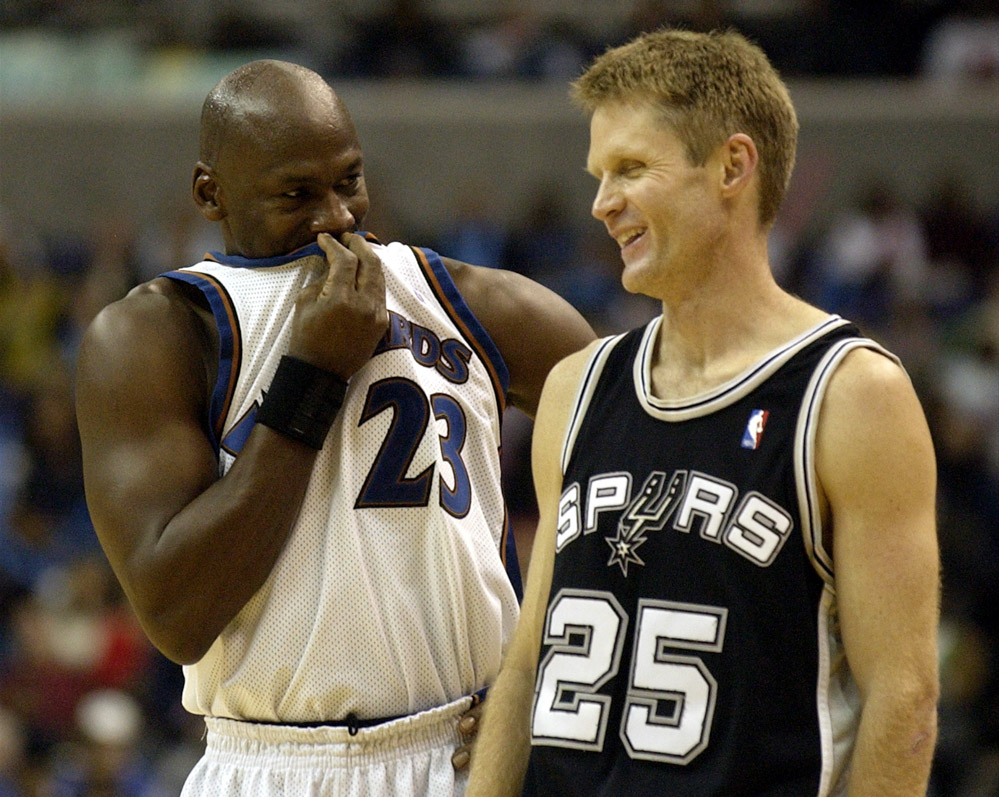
<point x="734" y="581"/>
<point x="292" y="460"/>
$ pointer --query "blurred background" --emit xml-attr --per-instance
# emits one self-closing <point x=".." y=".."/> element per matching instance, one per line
<point x="472" y="148"/>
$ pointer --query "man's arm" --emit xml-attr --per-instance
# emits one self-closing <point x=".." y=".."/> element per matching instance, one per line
<point x="532" y="326"/>
<point x="504" y="740"/>
<point x="877" y="471"/>
<point x="191" y="549"/>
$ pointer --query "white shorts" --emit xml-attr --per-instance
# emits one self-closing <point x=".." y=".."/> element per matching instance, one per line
<point x="407" y="757"/>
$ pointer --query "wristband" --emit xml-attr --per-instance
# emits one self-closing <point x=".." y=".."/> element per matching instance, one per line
<point x="302" y="401"/>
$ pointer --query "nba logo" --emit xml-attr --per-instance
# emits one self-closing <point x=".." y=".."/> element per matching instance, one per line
<point x="754" y="429"/>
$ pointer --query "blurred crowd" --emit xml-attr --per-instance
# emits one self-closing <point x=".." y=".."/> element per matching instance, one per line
<point x="483" y="39"/>
<point x="88" y="707"/>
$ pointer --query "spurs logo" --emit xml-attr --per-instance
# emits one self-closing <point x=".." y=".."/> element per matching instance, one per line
<point x="649" y="511"/>
<point x="689" y="502"/>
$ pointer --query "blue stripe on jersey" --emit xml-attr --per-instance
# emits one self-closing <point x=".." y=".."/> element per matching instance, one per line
<point x="439" y="279"/>
<point x="238" y="261"/>
<point x="233" y="442"/>
<point x="454" y="303"/>
<point x="229" y="342"/>
<point x="510" y="559"/>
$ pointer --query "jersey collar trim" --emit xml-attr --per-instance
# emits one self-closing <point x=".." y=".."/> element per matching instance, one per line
<point x="725" y="394"/>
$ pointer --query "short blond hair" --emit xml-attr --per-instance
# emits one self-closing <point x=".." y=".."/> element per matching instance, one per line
<point x="709" y="87"/>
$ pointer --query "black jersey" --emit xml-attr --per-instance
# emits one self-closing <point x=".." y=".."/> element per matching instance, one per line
<point x="690" y="645"/>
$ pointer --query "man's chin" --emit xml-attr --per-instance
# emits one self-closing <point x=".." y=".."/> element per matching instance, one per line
<point x="634" y="276"/>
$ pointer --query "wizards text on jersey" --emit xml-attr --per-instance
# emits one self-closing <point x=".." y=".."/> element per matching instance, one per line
<point x="450" y="357"/>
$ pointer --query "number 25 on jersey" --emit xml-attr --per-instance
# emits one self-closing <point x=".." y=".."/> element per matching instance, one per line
<point x="671" y="694"/>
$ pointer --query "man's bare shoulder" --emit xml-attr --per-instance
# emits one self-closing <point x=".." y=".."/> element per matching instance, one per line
<point x="157" y="307"/>
<point x="159" y="326"/>
<point x="481" y="287"/>
<point x="872" y="430"/>
<point x="532" y="326"/>
<point x="503" y="298"/>
<point x="164" y="295"/>
<point x="567" y="374"/>
<point x="560" y="389"/>
<point x="866" y="379"/>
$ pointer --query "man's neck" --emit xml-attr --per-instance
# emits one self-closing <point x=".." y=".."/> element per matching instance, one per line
<point x="718" y="333"/>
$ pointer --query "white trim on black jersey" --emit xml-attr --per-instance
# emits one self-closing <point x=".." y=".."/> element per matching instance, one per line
<point x="684" y="409"/>
<point x="584" y="394"/>
<point x="804" y="451"/>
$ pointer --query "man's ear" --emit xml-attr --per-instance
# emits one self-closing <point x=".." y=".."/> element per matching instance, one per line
<point x="739" y="161"/>
<point x="205" y="189"/>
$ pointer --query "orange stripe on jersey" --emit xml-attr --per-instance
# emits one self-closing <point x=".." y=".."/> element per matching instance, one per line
<point x="460" y="323"/>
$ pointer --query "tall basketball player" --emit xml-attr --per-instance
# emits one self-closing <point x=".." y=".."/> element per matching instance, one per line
<point x="291" y="454"/>
<point x="734" y="585"/>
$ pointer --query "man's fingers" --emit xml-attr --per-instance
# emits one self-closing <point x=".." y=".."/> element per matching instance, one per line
<point x="343" y="263"/>
<point x="369" y="265"/>
<point x="308" y="294"/>
<point x="356" y="244"/>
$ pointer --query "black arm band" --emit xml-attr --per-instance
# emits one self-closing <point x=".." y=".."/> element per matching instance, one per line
<point x="302" y="401"/>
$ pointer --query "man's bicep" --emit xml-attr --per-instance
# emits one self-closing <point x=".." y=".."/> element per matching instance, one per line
<point x="877" y="470"/>
<point x="145" y="449"/>
<point x="533" y="327"/>
<point x="549" y="329"/>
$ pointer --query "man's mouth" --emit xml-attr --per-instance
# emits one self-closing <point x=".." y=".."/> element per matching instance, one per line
<point x="628" y="237"/>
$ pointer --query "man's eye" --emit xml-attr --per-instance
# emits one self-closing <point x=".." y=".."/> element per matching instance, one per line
<point x="351" y="181"/>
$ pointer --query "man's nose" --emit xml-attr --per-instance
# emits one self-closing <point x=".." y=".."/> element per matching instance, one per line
<point x="333" y="216"/>
<point x="606" y="202"/>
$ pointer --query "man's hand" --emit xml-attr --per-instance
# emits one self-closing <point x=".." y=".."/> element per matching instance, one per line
<point x="338" y="322"/>
<point x="468" y="726"/>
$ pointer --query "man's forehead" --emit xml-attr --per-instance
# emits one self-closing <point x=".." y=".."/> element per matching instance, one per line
<point x="316" y="165"/>
<point x="270" y="127"/>
<point x="610" y="125"/>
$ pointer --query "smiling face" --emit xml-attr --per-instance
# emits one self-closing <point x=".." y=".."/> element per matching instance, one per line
<point x="285" y="171"/>
<point x="663" y="211"/>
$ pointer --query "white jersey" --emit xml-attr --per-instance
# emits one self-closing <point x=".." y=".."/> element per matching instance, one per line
<point x="391" y="595"/>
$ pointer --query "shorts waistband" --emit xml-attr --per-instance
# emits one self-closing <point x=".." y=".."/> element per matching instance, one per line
<point x="441" y="720"/>
<point x="351" y="722"/>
